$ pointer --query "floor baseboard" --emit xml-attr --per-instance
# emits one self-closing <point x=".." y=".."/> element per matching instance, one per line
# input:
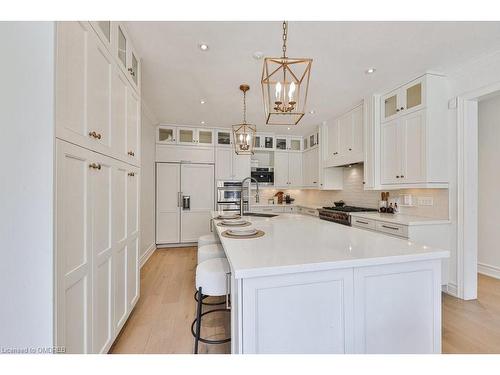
<point x="151" y="249"/>
<point x="488" y="270"/>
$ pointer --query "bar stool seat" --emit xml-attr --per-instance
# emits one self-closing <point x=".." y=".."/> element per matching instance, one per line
<point x="211" y="251"/>
<point x="208" y="239"/>
<point x="211" y="280"/>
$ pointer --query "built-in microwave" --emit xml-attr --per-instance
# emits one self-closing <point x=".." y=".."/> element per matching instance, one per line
<point x="264" y="175"/>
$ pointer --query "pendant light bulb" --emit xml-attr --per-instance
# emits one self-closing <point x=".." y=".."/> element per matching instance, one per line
<point x="278" y="91"/>
<point x="291" y="91"/>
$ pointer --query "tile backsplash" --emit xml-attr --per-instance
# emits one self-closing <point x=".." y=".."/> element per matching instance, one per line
<point x="355" y="195"/>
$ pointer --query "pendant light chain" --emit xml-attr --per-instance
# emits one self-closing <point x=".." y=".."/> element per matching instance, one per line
<point x="285" y="36"/>
<point x="244" y="107"/>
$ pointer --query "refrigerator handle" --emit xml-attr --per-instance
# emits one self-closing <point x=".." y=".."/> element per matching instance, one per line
<point x="186" y="202"/>
<point x="179" y="199"/>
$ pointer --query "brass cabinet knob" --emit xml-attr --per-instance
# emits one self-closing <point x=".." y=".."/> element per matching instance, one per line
<point x="95" y="166"/>
<point x="99" y="136"/>
<point x="131" y="174"/>
<point x="93" y="134"/>
<point x="131" y="153"/>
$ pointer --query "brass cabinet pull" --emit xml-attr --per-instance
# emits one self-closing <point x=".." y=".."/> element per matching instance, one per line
<point x="95" y="166"/>
<point x="95" y="135"/>
<point x="389" y="227"/>
<point x="362" y="222"/>
<point x="131" y="153"/>
<point x="131" y="174"/>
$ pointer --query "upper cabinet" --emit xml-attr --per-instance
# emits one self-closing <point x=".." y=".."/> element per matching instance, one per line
<point x="264" y="142"/>
<point x="413" y="136"/>
<point x="166" y="134"/>
<point x="345" y="139"/>
<point x="223" y="138"/>
<point x="97" y="107"/>
<point x="404" y="100"/>
<point x="288" y="143"/>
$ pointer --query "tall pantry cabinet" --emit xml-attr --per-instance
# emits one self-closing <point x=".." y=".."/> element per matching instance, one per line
<point x="97" y="186"/>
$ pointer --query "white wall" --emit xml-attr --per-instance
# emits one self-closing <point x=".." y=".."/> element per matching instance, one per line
<point x="489" y="182"/>
<point x="147" y="185"/>
<point x="26" y="187"/>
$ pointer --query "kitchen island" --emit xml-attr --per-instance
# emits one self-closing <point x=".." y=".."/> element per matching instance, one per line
<point x="312" y="286"/>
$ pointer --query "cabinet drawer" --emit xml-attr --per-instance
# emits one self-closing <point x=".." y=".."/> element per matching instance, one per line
<point x="362" y="223"/>
<point x="394" y="229"/>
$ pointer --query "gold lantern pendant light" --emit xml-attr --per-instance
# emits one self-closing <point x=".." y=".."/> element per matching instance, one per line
<point x="285" y="82"/>
<point x="244" y="134"/>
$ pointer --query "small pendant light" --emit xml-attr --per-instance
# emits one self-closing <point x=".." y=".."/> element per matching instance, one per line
<point x="244" y="134"/>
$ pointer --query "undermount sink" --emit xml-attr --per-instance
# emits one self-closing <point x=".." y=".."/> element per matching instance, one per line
<point x="258" y="214"/>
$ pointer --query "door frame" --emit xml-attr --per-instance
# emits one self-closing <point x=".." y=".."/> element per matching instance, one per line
<point x="467" y="193"/>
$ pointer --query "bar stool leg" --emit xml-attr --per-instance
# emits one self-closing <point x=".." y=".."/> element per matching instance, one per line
<point x="198" y="323"/>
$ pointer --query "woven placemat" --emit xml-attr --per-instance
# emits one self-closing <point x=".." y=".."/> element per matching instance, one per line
<point x="259" y="233"/>
<point x="234" y="225"/>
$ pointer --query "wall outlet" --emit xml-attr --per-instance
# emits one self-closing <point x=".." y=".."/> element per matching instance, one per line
<point x="425" y="201"/>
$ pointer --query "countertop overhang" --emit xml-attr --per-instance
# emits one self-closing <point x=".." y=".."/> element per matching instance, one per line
<point x="299" y="243"/>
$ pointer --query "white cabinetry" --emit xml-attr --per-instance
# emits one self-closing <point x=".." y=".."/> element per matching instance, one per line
<point x="345" y="139"/>
<point x="287" y="169"/>
<point x="97" y="199"/>
<point x="96" y="106"/>
<point x="195" y="136"/>
<point x="288" y="143"/>
<point x="414" y="137"/>
<point x="229" y="165"/>
<point x="311" y="167"/>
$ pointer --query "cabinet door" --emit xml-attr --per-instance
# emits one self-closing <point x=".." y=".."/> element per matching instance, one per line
<point x="72" y="40"/>
<point x="413" y="148"/>
<point x="390" y="105"/>
<point x="356" y="146"/>
<point x="168" y="180"/>
<point x="99" y="75"/>
<point x="73" y="249"/>
<point x="295" y="144"/>
<point x="103" y="30"/>
<point x="390" y="159"/>
<point x="306" y="168"/>
<point x="133" y="65"/>
<point x="101" y="199"/>
<point x="166" y="134"/>
<point x="241" y="166"/>
<point x="119" y="123"/>
<point x="413" y="96"/>
<point x="133" y="180"/>
<point x="186" y="136"/>
<point x="281" y="169"/>
<point x="133" y="126"/>
<point x="294" y="169"/>
<point x="197" y="184"/>
<point x="132" y="272"/>
<point x="223" y="138"/>
<point x="314" y="167"/>
<point x="205" y="137"/>
<point x="333" y="141"/>
<point x="122" y="46"/>
<point x="223" y="163"/>
<point x="281" y="143"/>
<point x="119" y="223"/>
<point x="345" y="135"/>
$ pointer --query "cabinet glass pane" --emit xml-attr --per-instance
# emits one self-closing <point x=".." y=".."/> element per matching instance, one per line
<point x="105" y="27"/>
<point x="281" y="143"/>
<point x="312" y="141"/>
<point x="269" y="142"/>
<point x="166" y="135"/>
<point x="122" y="46"/>
<point x="414" y="96"/>
<point x="186" y="135"/>
<point x="135" y="66"/>
<point x="391" y="106"/>
<point x="205" y="137"/>
<point x="306" y="143"/>
<point x="257" y="141"/>
<point x="223" y="138"/>
<point x="295" y="144"/>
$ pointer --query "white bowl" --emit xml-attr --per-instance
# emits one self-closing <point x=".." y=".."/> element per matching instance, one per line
<point x="242" y="232"/>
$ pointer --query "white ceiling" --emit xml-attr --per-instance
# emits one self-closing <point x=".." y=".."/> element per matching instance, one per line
<point x="177" y="74"/>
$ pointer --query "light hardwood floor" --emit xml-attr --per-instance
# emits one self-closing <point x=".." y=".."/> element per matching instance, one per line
<point x="161" y="320"/>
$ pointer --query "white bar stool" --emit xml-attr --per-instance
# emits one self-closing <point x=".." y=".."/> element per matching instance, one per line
<point x="211" y="280"/>
<point x="207" y="252"/>
<point x="208" y="239"/>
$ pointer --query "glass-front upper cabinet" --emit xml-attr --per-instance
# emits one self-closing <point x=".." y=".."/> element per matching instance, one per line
<point x="306" y="143"/>
<point x="295" y="144"/>
<point x="264" y="142"/>
<point x="166" y="134"/>
<point x="413" y="95"/>
<point x="134" y="68"/>
<point x="205" y="137"/>
<point x="103" y="30"/>
<point x="122" y="46"/>
<point x="223" y="137"/>
<point x="186" y="136"/>
<point x="281" y="143"/>
<point x="406" y="99"/>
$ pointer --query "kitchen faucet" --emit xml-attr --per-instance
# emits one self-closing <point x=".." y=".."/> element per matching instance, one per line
<point x="241" y="195"/>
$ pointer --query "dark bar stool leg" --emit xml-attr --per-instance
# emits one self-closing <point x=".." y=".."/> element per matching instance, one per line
<point x="198" y="323"/>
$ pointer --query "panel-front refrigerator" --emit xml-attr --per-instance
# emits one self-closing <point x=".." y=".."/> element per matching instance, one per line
<point x="184" y="199"/>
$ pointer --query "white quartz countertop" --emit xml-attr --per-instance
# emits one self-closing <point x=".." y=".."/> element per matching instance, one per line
<point x="400" y="218"/>
<point x="300" y="243"/>
<point x="309" y="206"/>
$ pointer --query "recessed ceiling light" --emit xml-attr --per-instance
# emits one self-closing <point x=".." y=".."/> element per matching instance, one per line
<point x="370" y="70"/>
<point x="203" y="46"/>
<point x="312" y="111"/>
<point x="203" y="101"/>
<point x="288" y="128"/>
<point x="203" y="122"/>
<point x="257" y="55"/>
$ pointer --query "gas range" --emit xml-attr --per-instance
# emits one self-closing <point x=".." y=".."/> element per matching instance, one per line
<point x="341" y="215"/>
